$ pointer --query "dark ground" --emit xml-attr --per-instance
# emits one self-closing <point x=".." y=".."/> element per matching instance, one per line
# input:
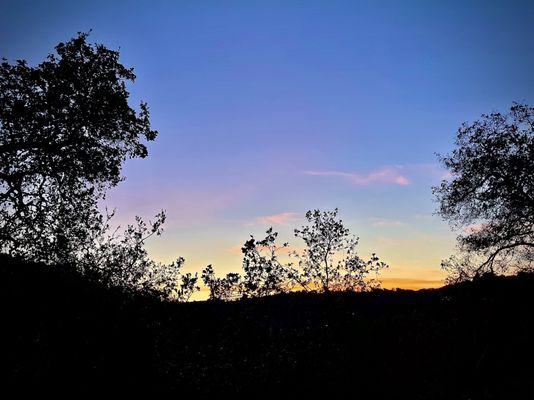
<point x="469" y="341"/>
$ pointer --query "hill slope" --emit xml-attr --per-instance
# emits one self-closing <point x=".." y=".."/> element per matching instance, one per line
<point x="468" y="341"/>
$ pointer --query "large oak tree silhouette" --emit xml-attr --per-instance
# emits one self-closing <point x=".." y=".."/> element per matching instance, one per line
<point x="490" y="195"/>
<point x="66" y="128"/>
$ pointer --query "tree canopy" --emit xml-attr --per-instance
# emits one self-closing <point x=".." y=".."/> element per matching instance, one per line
<point x="66" y="128"/>
<point x="490" y="193"/>
<point x="329" y="260"/>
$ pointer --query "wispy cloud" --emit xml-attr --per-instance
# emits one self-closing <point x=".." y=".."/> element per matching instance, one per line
<point x="401" y="175"/>
<point x="383" y="222"/>
<point x="429" y="170"/>
<point x="385" y="175"/>
<point x="278" y="219"/>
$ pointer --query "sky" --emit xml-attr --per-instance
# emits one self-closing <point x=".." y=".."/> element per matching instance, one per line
<point x="266" y="109"/>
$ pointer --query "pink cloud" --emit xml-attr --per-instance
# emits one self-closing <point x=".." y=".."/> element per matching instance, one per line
<point x="476" y="228"/>
<point x="235" y="250"/>
<point x="385" y="175"/>
<point x="429" y="170"/>
<point x="278" y="219"/>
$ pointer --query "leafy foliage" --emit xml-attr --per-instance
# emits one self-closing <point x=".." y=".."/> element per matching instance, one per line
<point x="264" y="274"/>
<point x="491" y="191"/>
<point x="167" y="281"/>
<point x="121" y="259"/>
<point x="65" y="130"/>
<point x="329" y="261"/>
<point x="228" y="288"/>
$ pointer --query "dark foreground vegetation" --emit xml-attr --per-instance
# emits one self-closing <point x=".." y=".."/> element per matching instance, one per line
<point x="467" y="341"/>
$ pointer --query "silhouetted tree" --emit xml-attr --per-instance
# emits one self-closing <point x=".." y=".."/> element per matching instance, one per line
<point x="228" y="288"/>
<point x="490" y="194"/>
<point x="329" y="261"/>
<point x="167" y="281"/>
<point x="119" y="258"/>
<point x="264" y="274"/>
<point x="209" y="279"/>
<point x="461" y="267"/>
<point x="65" y="130"/>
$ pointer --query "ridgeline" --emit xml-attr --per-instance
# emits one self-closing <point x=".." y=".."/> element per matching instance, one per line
<point x="63" y="333"/>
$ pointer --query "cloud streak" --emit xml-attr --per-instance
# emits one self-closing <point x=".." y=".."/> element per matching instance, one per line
<point x="385" y="175"/>
<point x="278" y="219"/>
<point x="383" y="222"/>
<point x="400" y="175"/>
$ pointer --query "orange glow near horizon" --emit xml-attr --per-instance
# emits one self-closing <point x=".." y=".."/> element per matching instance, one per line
<point x="390" y="283"/>
<point x="410" y="284"/>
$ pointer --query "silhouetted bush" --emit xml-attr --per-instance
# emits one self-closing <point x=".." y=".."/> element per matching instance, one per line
<point x="328" y="262"/>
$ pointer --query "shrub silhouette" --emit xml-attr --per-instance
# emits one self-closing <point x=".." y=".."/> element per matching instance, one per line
<point x="228" y="288"/>
<point x="263" y="273"/>
<point x="329" y="262"/>
<point x="120" y="259"/>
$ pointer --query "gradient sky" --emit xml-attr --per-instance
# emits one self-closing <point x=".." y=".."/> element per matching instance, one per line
<point x="269" y="108"/>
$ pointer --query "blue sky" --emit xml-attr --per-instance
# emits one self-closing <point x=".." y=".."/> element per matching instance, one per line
<point x="268" y="108"/>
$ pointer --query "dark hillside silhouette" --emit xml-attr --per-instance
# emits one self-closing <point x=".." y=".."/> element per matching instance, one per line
<point x="63" y="332"/>
<point x="468" y="341"/>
